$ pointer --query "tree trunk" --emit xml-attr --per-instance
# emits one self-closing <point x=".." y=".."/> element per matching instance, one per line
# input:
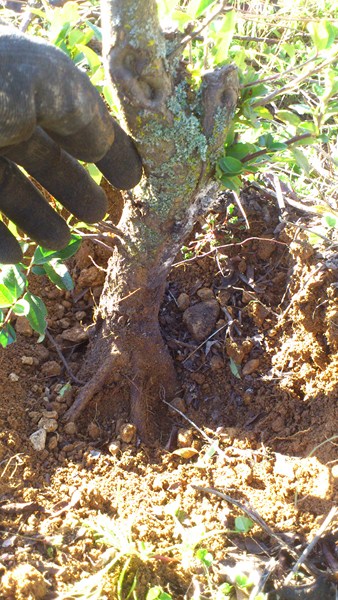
<point x="179" y="132"/>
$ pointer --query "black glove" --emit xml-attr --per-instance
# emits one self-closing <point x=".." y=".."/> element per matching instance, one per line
<point x="50" y="113"/>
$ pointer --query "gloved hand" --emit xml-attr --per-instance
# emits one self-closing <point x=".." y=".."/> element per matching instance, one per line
<point x="49" y="114"/>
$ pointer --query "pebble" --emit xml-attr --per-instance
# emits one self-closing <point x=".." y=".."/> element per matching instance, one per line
<point x="53" y="442"/>
<point x="51" y="369"/>
<point x="201" y="318"/>
<point x="114" y="448"/>
<point x="34" y="415"/>
<point x="70" y="428"/>
<point x="93" y="430"/>
<point x="49" y="425"/>
<point x="205" y="294"/>
<point x="185" y="438"/>
<point x="50" y="414"/>
<point x="79" y="315"/>
<point x="128" y="433"/>
<point x="64" y="323"/>
<point x="216" y="362"/>
<point x="251" y="366"/>
<point x="183" y="301"/>
<point x="38" y="439"/>
<point x="23" y="327"/>
<point x="27" y="360"/>
<point x="177" y="403"/>
<point x="91" y="277"/>
<point x="75" y="334"/>
<point x="13" y="377"/>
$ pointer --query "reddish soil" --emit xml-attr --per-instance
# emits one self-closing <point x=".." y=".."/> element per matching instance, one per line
<point x="265" y="387"/>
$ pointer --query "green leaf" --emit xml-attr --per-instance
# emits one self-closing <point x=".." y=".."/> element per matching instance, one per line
<point x="7" y="335"/>
<point x="58" y="273"/>
<point x="243" y="524"/>
<point x="288" y="117"/>
<point x="38" y="270"/>
<point x="331" y="220"/>
<point x="94" y="61"/>
<point x="234" y="368"/>
<point x="231" y="183"/>
<point x="21" y="308"/>
<point x="156" y="593"/>
<point x="94" y="173"/>
<point x="302" y="160"/>
<point x="37" y="314"/>
<point x="322" y="34"/>
<point x="204" y="556"/>
<point x="203" y="5"/>
<point x="242" y="581"/>
<point x="12" y="285"/>
<point x="230" y="165"/>
<point x="241" y="150"/>
<point x="97" y="31"/>
<point x="42" y="256"/>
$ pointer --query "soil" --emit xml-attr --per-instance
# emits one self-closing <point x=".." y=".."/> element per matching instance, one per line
<point x="263" y="384"/>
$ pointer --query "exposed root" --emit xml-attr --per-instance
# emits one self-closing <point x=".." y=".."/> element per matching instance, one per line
<point x="91" y="388"/>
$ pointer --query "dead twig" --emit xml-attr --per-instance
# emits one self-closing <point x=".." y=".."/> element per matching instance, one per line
<point x="254" y="516"/>
<point x="63" y="360"/>
<point x="305" y="554"/>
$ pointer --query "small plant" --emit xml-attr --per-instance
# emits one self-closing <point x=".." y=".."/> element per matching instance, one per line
<point x="16" y="299"/>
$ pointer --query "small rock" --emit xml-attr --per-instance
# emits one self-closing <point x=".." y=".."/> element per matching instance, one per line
<point x="13" y="377"/>
<point x="75" y="334"/>
<point x="177" y="403"/>
<point x="64" y="323"/>
<point x="41" y="353"/>
<point x="128" y="433"/>
<point x="91" y="277"/>
<point x="251" y="366"/>
<point x="51" y="369"/>
<point x="198" y="377"/>
<point x="223" y="297"/>
<point x="50" y="414"/>
<point x="79" y="315"/>
<point x="48" y="424"/>
<point x="334" y="471"/>
<point x="38" y="439"/>
<point x="258" y="312"/>
<point x="34" y="415"/>
<point x="201" y="318"/>
<point x="216" y="362"/>
<point x="24" y="581"/>
<point x="248" y="296"/>
<point x="23" y="327"/>
<point x="185" y="438"/>
<point x="205" y="294"/>
<point x="183" y="301"/>
<point x="93" y="430"/>
<point x="53" y="442"/>
<point x="265" y="249"/>
<point x="70" y="428"/>
<point x="114" y="448"/>
<point x="27" y="360"/>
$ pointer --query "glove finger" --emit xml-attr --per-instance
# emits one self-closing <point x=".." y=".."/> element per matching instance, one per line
<point x="10" y="251"/>
<point x="41" y="86"/>
<point x="122" y="164"/>
<point x="23" y="204"/>
<point x="61" y="175"/>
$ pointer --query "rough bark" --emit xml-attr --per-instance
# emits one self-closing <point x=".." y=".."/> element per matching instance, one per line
<point x="179" y="133"/>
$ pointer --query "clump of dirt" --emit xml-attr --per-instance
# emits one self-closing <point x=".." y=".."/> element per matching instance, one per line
<point x="253" y="331"/>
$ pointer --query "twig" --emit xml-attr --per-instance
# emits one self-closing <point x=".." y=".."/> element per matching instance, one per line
<point x="197" y="32"/>
<point x="279" y="75"/>
<point x="63" y="360"/>
<point x="241" y="209"/>
<point x="254" y="516"/>
<point x="226" y="246"/>
<point x="204" y="342"/>
<point x="294" y="83"/>
<point x="312" y="544"/>
<point x="269" y="569"/>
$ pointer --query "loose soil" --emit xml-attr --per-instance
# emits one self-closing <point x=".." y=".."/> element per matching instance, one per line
<point x="263" y="386"/>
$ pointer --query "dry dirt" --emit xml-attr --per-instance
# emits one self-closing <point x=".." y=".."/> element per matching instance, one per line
<point x="264" y="386"/>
